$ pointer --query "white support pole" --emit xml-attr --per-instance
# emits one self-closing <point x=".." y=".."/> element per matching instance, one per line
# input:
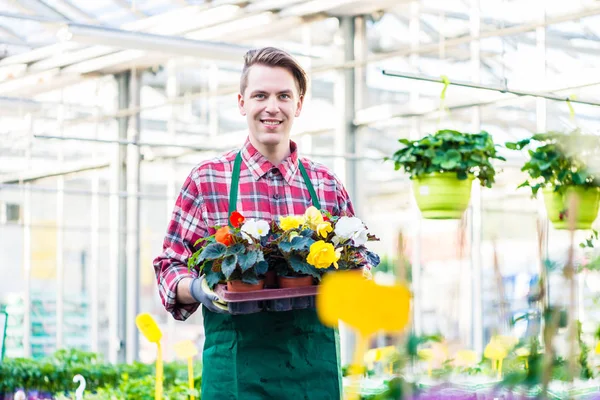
<point x="60" y="242"/>
<point x="94" y="278"/>
<point x="172" y="90"/>
<point x="27" y="220"/>
<point x="26" y="196"/>
<point x="415" y="133"/>
<point x="133" y="223"/>
<point x="476" y="209"/>
<point x="541" y="122"/>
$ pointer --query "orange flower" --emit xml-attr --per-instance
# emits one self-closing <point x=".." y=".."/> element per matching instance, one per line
<point x="236" y="219"/>
<point x="223" y="236"/>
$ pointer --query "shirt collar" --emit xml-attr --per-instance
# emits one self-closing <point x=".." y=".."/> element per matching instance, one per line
<point x="259" y="165"/>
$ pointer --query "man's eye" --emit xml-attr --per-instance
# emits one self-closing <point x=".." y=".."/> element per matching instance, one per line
<point x="285" y="96"/>
<point x="259" y="96"/>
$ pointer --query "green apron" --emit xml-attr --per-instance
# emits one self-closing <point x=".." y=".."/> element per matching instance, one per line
<point x="269" y="355"/>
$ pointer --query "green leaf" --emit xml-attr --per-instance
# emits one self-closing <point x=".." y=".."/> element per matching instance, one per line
<point x="250" y="277"/>
<point x="285" y="246"/>
<point x="301" y="243"/>
<point x="300" y="266"/>
<point x="237" y="248"/>
<point x="213" y="251"/>
<point x="247" y="260"/>
<point x="212" y="278"/>
<point x="228" y="265"/>
<point x="261" y="267"/>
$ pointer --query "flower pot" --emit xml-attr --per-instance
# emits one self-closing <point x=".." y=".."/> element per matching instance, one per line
<point x="442" y="195"/>
<point x="557" y="206"/>
<point x="239" y="286"/>
<point x="271" y="279"/>
<point x="286" y="282"/>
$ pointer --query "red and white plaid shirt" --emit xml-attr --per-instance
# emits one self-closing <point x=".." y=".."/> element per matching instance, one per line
<point x="265" y="192"/>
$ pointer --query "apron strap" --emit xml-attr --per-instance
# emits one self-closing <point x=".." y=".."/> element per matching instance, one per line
<point x="235" y="182"/>
<point x="311" y="189"/>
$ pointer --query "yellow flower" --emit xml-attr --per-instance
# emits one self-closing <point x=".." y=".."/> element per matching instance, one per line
<point x="324" y="228"/>
<point x="322" y="255"/>
<point x="313" y="217"/>
<point x="598" y="348"/>
<point x="291" y="222"/>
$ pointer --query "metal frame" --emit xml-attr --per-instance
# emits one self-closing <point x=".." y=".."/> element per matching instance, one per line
<point x="499" y="89"/>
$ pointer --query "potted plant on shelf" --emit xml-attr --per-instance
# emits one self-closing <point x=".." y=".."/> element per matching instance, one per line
<point x="443" y="166"/>
<point x="234" y="255"/>
<point x="558" y="165"/>
<point x="305" y="247"/>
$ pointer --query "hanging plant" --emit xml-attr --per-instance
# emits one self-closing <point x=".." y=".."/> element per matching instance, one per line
<point x="443" y="166"/>
<point x="558" y="165"/>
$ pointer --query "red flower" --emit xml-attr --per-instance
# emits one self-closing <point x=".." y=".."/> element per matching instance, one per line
<point x="236" y="219"/>
<point x="223" y="236"/>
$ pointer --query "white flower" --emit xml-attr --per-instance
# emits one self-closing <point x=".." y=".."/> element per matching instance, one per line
<point x="255" y="229"/>
<point x="351" y="228"/>
<point x="360" y="238"/>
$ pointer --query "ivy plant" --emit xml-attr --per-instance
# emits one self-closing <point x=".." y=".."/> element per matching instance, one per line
<point x="558" y="160"/>
<point x="449" y="151"/>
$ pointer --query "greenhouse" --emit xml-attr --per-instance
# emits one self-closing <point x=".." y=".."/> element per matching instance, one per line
<point x="285" y="199"/>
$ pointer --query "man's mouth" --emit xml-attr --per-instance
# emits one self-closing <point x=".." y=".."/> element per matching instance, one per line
<point x="270" y="122"/>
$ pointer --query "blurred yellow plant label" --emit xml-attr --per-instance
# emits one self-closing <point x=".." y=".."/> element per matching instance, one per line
<point x="186" y="349"/>
<point x="465" y="358"/>
<point x="147" y="325"/>
<point x="362" y="304"/>
<point x="495" y="351"/>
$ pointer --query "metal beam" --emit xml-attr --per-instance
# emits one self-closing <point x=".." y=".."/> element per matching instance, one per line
<point x="493" y="88"/>
<point x="423" y="49"/>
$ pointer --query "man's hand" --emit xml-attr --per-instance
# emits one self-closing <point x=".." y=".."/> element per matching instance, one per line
<point x="202" y="293"/>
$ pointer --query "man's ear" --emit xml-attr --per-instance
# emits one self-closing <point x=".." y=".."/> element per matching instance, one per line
<point x="299" y="106"/>
<point x="241" y="104"/>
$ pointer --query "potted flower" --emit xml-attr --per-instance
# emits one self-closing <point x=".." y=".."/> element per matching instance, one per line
<point x="559" y="166"/>
<point x="307" y="246"/>
<point x="234" y="255"/>
<point x="443" y="166"/>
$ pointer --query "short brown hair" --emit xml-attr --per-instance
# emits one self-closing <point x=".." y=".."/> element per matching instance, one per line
<point x="273" y="57"/>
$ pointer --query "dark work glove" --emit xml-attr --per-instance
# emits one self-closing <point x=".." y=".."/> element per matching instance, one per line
<point x="202" y="293"/>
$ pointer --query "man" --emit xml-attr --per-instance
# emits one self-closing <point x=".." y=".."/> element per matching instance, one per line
<point x="267" y="355"/>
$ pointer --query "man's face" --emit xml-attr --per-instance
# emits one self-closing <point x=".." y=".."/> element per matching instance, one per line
<point x="270" y="103"/>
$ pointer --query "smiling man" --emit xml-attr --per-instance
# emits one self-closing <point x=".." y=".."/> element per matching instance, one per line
<point x="267" y="355"/>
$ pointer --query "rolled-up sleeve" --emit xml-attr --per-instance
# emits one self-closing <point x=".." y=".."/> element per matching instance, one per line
<point x="187" y="225"/>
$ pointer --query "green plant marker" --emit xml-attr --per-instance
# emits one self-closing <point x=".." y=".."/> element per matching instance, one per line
<point x="147" y="325"/>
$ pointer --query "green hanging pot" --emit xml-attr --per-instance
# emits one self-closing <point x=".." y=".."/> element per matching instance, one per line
<point x="557" y="206"/>
<point x="442" y="195"/>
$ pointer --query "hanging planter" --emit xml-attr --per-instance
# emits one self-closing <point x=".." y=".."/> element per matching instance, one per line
<point x="558" y="206"/>
<point x="442" y="195"/>
<point x="443" y="167"/>
<point x="559" y="166"/>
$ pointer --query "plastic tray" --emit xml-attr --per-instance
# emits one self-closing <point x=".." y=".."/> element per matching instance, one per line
<point x="268" y="299"/>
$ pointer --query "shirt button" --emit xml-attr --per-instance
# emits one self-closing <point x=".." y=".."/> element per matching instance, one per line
<point x="276" y="196"/>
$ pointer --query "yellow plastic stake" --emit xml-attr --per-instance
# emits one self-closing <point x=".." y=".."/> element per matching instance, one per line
<point x="427" y="355"/>
<point x="387" y="309"/>
<point x="147" y="325"/>
<point x="187" y="350"/>
<point x="496" y="353"/>
<point x="523" y="353"/>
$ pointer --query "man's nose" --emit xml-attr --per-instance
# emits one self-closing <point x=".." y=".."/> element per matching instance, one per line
<point x="272" y="105"/>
